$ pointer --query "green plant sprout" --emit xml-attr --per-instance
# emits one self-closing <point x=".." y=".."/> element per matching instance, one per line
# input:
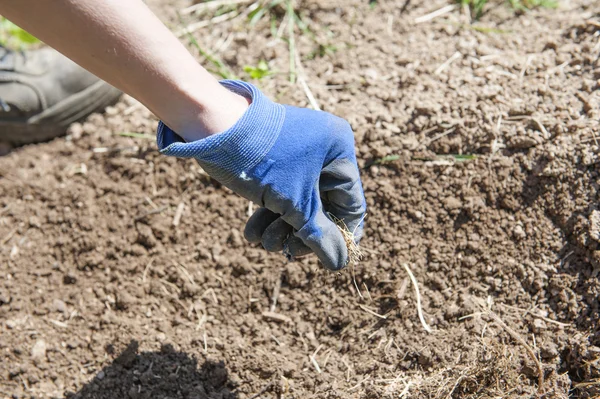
<point x="263" y="9"/>
<point x="261" y="70"/>
<point x="529" y="4"/>
<point x="475" y="5"/>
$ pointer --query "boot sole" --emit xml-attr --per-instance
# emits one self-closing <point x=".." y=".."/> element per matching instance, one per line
<point x="54" y="121"/>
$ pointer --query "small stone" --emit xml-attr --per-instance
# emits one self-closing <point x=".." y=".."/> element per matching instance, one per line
<point x="161" y="336"/>
<point x="133" y="392"/>
<point x="38" y="352"/>
<point x="75" y="131"/>
<point x="594" y="226"/>
<point x="111" y="111"/>
<point x="549" y="351"/>
<point x="59" y="306"/>
<point x="34" y="222"/>
<point x="72" y="344"/>
<point x="391" y="127"/>
<point x="418" y="215"/>
<point x="4" y="299"/>
<point x="452" y="203"/>
<point x="88" y="128"/>
<point x="518" y="232"/>
<point x="491" y="91"/>
<point x="538" y="325"/>
<point x="288" y="368"/>
<point x="101" y="375"/>
<point x="371" y="74"/>
<point x="522" y="142"/>
<point x="10" y="324"/>
<point x="146" y="237"/>
<point x="124" y="300"/>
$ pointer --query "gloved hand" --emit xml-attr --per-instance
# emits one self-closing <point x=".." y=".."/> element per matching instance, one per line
<point x="298" y="164"/>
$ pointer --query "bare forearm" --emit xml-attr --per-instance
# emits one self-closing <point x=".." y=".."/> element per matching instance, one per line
<point x="124" y="43"/>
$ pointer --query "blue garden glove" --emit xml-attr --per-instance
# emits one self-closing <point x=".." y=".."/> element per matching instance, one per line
<point x="298" y="164"/>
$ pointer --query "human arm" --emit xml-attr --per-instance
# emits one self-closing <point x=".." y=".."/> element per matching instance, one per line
<point x="124" y="43"/>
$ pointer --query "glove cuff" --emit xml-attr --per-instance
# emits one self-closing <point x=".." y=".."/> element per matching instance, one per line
<point x="228" y="154"/>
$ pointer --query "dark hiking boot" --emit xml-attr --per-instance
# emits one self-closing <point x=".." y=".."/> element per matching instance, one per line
<point x="42" y="92"/>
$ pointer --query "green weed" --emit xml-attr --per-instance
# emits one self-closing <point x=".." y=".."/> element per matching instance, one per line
<point x="387" y="159"/>
<point x="264" y="9"/>
<point x="529" y="4"/>
<point x="475" y="5"/>
<point x="14" y="37"/>
<point x="261" y="70"/>
<point x="321" y="51"/>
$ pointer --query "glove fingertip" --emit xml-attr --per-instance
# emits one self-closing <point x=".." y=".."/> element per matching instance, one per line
<point x="257" y="224"/>
<point x="274" y="237"/>
<point x="324" y="237"/>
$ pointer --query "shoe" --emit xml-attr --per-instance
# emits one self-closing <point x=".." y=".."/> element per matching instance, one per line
<point x="42" y="92"/>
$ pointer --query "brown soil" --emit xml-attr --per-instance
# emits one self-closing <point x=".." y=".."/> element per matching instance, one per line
<point x="102" y="297"/>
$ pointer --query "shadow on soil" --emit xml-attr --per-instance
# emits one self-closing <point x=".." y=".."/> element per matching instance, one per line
<point x="163" y="374"/>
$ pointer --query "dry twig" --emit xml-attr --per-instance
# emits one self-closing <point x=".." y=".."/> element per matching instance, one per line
<point x="301" y="75"/>
<point x="148" y="266"/>
<point x="191" y="28"/>
<point x="208" y="5"/>
<point x="435" y="14"/>
<point x="366" y="309"/>
<point x="276" y="317"/>
<point x="275" y="295"/>
<point x="447" y="63"/>
<point x="418" y="294"/>
<point x="152" y="212"/>
<point x="178" y="213"/>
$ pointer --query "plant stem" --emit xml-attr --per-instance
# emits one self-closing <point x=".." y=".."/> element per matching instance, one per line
<point x="291" y="40"/>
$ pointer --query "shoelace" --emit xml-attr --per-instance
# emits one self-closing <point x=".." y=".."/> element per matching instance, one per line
<point x="4" y="52"/>
<point x="4" y="107"/>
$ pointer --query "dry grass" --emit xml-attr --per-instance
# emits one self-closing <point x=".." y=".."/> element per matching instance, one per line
<point x="355" y="254"/>
<point x="495" y="373"/>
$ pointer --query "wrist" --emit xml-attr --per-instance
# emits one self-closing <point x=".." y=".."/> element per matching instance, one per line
<point x="208" y="111"/>
<point x="237" y="148"/>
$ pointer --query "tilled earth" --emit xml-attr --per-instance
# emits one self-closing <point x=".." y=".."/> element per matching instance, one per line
<point x="479" y="156"/>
